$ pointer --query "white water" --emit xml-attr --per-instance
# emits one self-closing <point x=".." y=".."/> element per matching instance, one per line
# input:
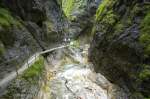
<point x="75" y="80"/>
<point x="80" y="85"/>
<point x="69" y="75"/>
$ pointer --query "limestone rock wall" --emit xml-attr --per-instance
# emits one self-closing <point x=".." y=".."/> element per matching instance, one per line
<point x="120" y="46"/>
<point x="27" y="27"/>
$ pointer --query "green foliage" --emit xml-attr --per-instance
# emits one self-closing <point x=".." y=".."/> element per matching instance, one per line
<point x="35" y="70"/>
<point x="68" y="6"/>
<point x="101" y="8"/>
<point x="105" y="15"/>
<point x="145" y="73"/>
<point x="147" y="98"/>
<point x="112" y="21"/>
<point x="122" y="25"/>
<point x="75" y="43"/>
<point x="6" y="19"/>
<point x="116" y="21"/>
<point x="119" y="27"/>
<point x="109" y="18"/>
<point x="108" y="21"/>
<point x="145" y="34"/>
<point x="136" y="9"/>
<point x="29" y="79"/>
<point x="106" y="7"/>
<point x="2" y="49"/>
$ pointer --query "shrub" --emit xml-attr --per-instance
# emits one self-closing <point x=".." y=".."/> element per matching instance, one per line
<point x="145" y="34"/>
<point x="35" y="70"/>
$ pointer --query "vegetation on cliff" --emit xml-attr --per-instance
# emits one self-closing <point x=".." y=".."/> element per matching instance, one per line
<point x="122" y="35"/>
<point x="145" y="42"/>
<point x="6" y="19"/>
<point x="68" y="6"/>
<point x="34" y="71"/>
<point x="26" y="84"/>
<point x="72" y="8"/>
<point x="2" y="48"/>
<point x="145" y="34"/>
<point x="121" y="44"/>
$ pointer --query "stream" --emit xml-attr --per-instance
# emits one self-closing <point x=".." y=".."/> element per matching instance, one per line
<point x="69" y="75"/>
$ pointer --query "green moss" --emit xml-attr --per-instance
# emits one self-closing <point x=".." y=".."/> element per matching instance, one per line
<point x="145" y="73"/>
<point x="29" y="79"/>
<point x="145" y="34"/>
<point x="108" y="21"/>
<point x="136" y="9"/>
<point x="75" y="43"/>
<point x="68" y="6"/>
<point x="71" y="6"/>
<point x="101" y="8"/>
<point x="119" y="27"/>
<point x="116" y="21"/>
<point x="147" y="98"/>
<point x="34" y="71"/>
<point x="112" y="21"/>
<point x="105" y="15"/>
<point x="6" y="19"/>
<point x="73" y="18"/>
<point x="122" y="25"/>
<point x="2" y="48"/>
<point x="109" y="18"/>
<point x="104" y="7"/>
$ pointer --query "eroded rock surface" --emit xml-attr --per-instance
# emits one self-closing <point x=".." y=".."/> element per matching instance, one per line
<point x="71" y="78"/>
<point x="119" y="49"/>
<point x="27" y="27"/>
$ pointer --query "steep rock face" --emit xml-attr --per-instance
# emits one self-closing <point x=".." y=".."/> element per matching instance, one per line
<point x="27" y="85"/>
<point x="46" y="14"/>
<point x="80" y="14"/>
<point x="26" y="27"/>
<point x="120" y="47"/>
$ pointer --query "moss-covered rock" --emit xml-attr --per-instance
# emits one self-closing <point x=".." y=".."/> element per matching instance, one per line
<point x="23" y="30"/>
<point x="120" y="45"/>
<point x="6" y="19"/>
<point x="34" y="70"/>
<point x="80" y="13"/>
<point x="145" y="34"/>
<point x="27" y="84"/>
<point x="73" y="7"/>
<point x="68" y="6"/>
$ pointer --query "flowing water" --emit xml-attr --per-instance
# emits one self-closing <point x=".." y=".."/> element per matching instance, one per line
<point x="69" y="75"/>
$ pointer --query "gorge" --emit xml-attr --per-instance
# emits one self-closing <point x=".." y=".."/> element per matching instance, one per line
<point x="74" y="49"/>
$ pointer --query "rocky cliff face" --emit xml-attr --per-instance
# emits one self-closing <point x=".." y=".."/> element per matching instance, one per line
<point x="80" y="13"/>
<point x="120" y="47"/>
<point x="26" y="27"/>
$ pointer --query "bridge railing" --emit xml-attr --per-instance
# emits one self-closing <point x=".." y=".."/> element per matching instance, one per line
<point x="28" y="62"/>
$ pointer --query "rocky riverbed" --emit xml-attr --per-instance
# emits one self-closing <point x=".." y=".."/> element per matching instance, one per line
<point x="70" y="76"/>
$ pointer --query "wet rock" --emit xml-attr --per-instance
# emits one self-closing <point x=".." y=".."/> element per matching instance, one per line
<point x="21" y="89"/>
<point x="80" y="13"/>
<point x="116" y="51"/>
<point x="77" y="80"/>
<point x="32" y="26"/>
